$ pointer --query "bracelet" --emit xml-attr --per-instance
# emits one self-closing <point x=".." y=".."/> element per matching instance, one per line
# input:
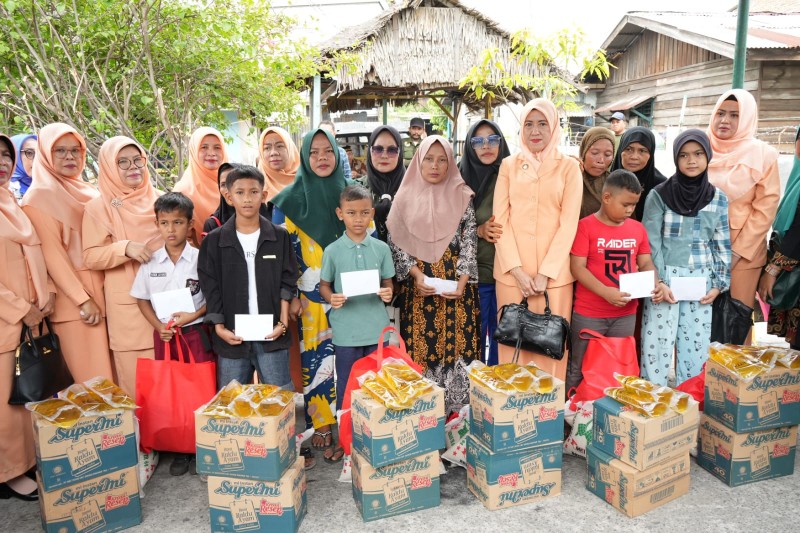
<point x="282" y="325"/>
<point x="661" y="281"/>
<point x="772" y="270"/>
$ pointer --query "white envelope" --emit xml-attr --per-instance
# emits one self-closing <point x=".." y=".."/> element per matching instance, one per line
<point x="441" y="285"/>
<point x="253" y="327"/>
<point x="638" y="284"/>
<point x="168" y="303"/>
<point x="688" y="288"/>
<point x="361" y="282"/>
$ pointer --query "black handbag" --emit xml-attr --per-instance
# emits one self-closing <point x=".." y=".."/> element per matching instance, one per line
<point x="786" y="291"/>
<point x="523" y="329"/>
<point x="40" y="370"/>
<point x="731" y="319"/>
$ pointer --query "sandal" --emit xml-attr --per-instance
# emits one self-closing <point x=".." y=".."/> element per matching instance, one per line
<point x="337" y="453"/>
<point x="327" y="440"/>
<point x="308" y="458"/>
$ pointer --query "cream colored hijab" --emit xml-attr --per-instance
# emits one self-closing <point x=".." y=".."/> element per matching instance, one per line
<point x="276" y="180"/>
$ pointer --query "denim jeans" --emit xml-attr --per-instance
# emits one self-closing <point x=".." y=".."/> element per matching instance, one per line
<point x="272" y="368"/>
<point x="488" y="299"/>
<point x="345" y="358"/>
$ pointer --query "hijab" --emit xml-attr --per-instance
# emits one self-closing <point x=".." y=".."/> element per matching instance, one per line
<point x="198" y="182"/>
<point x="791" y="196"/>
<point x="20" y="176"/>
<point x="476" y="174"/>
<point x="541" y="161"/>
<point x="682" y="194"/>
<point x="649" y="176"/>
<point x="381" y="183"/>
<point x="16" y="227"/>
<point x="310" y="202"/>
<point x="277" y="180"/>
<point x="739" y="162"/>
<point x="61" y="197"/>
<point x="593" y="186"/>
<point x="425" y="217"/>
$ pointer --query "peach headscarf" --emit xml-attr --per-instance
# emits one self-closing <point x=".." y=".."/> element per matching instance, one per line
<point x="126" y="213"/>
<point x="546" y="107"/>
<point x="60" y="197"/>
<point x="16" y="226"/>
<point x="278" y="179"/>
<point x="425" y="217"/>
<point x="200" y="183"/>
<point x="741" y="161"/>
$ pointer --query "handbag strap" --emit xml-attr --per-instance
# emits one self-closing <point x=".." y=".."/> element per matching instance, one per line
<point x="181" y="355"/>
<point x="589" y="334"/>
<point x="381" y="340"/>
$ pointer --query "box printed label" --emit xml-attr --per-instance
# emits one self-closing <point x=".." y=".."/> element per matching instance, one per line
<point x="243" y="515"/>
<point x="616" y="426"/>
<point x="83" y="457"/>
<point x="709" y="445"/>
<point x="759" y="461"/>
<point x="768" y="406"/>
<point x="405" y="438"/>
<point x="715" y="393"/>
<point x="87" y="517"/>
<point x="228" y="455"/>
<point x="525" y="424"/>
<point x="607" y="475"/>
<point x="396" y="494"/>
<point x="532" y="468"/>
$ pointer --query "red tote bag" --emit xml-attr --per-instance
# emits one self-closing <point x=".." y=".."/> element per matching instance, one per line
<point x="373" y="362"/>
<point x="604" y="356"/>
<point x="168" y="392"/>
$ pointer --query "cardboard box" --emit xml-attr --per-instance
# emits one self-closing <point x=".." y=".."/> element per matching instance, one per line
<point x="640" y="441"/>
<point x="636" y="492"/>
<point x="105" y="503"/>
<point x="771" y="400"/>
<point x="259" y="448"/>
<point x="93" y="446"/>
<point x="740" y="458"/>
<point x="249" y="505"/>
<point x="399" y="488"/>
<point x="384" y="436"/>
<point x="514" y="422"/>
<point x="504" y="479"/>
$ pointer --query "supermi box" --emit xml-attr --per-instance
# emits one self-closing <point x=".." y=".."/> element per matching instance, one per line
<point x="383" y="436"/>
<point x="504" y="479"/>
<point x="93" y="446"/>
<point x="635" y="492"/>
<point x="249" y="505"/>
<point x="507" y="422"/>
<point x="257" y="447"/>
<point x="770" y="400"/>
<point x="109" y="502"/>
<point x="640" y="441"/>
<point x="399" y="488"/>
<point x="740" y="458"/>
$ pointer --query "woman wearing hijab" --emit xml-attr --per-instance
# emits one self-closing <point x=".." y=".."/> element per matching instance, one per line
<point x="27" y="303"/>
<point x="746" y="169"/>
<point x="637" y="154"/>
<point x="596" y="154"/>
<point x="199" y="182"/>
<point x="537" y="200"/>
<point x="120" y="233"/>
<point x="55" y="205"/>
<point x="279" y="160"/>
<point x="484" y="150"/>
<point x="786" y="256"/>
<point x="25" y="145"/>
<point x="307" y="208"/>
<point x="686" y="219"/>
<point x="432" y="234"/>
<point x="385" y="173"/>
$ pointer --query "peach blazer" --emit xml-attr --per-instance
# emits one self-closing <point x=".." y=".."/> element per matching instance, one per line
<point x="15" y="294"/>
<point x="539" y="214"/>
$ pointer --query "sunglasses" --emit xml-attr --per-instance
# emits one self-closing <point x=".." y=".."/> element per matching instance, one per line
<point x="479" y="142"/>
<point x="379" y="150"/>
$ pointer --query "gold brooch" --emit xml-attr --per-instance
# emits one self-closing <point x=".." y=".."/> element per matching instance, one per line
<point x="116" y="202"/>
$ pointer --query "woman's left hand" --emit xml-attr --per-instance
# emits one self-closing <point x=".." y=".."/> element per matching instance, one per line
<point x="50" y="306"/>
<point x="540" y="283"/>
<point x="454" y="295"/>
<point x="710" y="296"/>
<point x="765" y="286"/>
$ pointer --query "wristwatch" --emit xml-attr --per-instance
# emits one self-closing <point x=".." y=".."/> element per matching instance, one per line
<point x="772" y="270"/>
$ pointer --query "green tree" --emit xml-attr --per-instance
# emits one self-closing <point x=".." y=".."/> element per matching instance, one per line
<point x="149" y="69"/>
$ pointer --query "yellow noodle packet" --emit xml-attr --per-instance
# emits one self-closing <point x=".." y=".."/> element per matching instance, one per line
<point x="57" y="411"/>
<point x="678" y="401"/>
<point x="737" y="360"/>
<point x="89" y="401"/>
<point x="111" y="393"/>
<point x="641" y="402"/>
<point x="220" y="403"/>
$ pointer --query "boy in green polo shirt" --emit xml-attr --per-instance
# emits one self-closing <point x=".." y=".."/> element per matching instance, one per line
<point x="357" y="321"/>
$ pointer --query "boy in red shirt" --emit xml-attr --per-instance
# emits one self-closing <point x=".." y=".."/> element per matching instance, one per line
<point x="608" y="243"/>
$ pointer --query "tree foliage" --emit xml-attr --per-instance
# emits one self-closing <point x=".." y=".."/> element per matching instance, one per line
<point x="149" y="69"/>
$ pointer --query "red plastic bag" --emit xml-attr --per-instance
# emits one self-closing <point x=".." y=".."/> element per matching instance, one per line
<point x="604" y="356"/>
<point x="168" y="392"/>
<point x="373" y="362"/>
<point x="695" y="386"/>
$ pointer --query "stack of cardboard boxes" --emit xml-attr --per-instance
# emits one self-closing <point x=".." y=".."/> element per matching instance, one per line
<point x="255" y="480"/>
<point x="638" y="463"/>
<point x="395" y="454"/>
<point x="748" y="431"/>
<point x="514" y="448"/>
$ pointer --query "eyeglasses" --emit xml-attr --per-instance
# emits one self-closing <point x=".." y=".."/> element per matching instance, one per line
<point x="379" y="150"/>
<point x="30" y="154"/>
<point x="480" y="142"/>
<point x="125" y="164"/>
<point x="61" y="153"/>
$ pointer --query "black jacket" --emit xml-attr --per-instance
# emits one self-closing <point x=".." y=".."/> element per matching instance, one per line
<point x="222" y="270"/>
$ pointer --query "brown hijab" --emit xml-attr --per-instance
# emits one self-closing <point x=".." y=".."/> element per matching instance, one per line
<point x="593" y="186"/>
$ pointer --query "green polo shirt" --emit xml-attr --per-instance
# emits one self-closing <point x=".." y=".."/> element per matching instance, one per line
<point x="361" y="319"/>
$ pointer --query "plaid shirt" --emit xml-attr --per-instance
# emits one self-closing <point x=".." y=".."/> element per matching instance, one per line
<point x="694" y="242"/>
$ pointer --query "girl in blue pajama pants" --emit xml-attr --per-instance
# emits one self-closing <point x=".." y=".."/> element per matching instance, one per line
<point x="687" y="223"/>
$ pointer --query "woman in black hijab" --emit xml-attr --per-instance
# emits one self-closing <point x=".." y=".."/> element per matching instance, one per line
<point x="385" y="172"/>
<point x="484" y="150"/>
<point x="225" y="210"/>
<point x="637" y="154"/>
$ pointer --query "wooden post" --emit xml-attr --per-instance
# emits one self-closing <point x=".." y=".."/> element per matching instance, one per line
<point x="487" y="107"/>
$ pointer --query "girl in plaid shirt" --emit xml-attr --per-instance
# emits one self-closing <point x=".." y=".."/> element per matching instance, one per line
<point x="687" y="223"/>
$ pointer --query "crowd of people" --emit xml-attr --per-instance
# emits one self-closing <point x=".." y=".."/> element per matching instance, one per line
<point x="276" y="239"/>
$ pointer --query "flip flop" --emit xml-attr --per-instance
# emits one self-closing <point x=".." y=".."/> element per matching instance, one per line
<point x="332" y="460"/>
<point x="309" y="461"/>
